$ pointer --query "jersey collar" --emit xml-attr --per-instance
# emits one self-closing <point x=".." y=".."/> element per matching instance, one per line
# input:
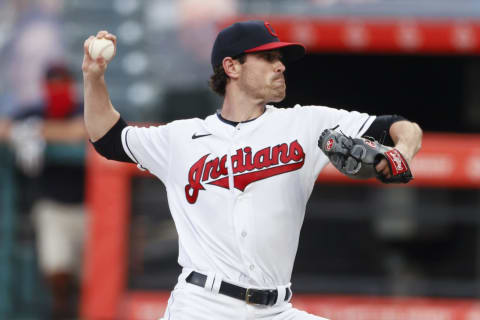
<point x="217" y="125"/>
<point x="235" y="123"/>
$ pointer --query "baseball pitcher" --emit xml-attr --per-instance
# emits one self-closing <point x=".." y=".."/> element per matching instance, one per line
<point x="238" y="181"/>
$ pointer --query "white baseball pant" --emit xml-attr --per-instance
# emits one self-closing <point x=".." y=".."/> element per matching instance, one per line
<point x="188" y="301"/>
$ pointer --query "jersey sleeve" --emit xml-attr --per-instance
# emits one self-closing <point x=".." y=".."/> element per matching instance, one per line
<point x="319" y="118"/>
<point x="352" y="123"/>
<point x="148" y="148"/>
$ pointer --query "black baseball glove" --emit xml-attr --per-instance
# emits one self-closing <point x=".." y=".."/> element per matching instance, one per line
<point x="357" y="157"/>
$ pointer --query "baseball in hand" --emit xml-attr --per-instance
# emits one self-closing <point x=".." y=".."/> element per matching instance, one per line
<point x="101" y="47"/>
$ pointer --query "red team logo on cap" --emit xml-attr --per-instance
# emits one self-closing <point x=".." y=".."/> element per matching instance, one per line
<point x="329" y="144"/>
<point x="270" y="29"/>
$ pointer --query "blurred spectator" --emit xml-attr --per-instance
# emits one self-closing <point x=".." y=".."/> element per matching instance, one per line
<point x="58" y="212"/>
<point x="29" y="42"/>
<point x="44" y="111"/>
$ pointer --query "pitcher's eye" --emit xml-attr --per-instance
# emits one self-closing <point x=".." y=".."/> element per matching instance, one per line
<point x="271" y="56"/>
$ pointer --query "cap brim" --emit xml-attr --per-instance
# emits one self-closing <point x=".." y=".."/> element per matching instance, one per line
<point x="291" y="51"/>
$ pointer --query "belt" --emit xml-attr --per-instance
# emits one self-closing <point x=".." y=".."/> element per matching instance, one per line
<point x="249" y="295"/>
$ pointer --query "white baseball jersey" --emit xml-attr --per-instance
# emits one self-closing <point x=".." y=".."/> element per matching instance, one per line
<point x="238" y="193"/>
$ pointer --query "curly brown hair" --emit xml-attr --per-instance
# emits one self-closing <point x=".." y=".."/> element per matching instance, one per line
<point x="218" y="80"/>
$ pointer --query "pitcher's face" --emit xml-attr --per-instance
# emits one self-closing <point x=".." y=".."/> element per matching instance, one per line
<point x="262" y="76"/>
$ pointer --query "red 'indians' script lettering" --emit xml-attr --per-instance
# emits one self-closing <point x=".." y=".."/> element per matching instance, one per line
<point x="246" y="167"/>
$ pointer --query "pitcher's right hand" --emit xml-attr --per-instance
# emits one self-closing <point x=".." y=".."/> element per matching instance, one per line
<point x="96" y="68"/>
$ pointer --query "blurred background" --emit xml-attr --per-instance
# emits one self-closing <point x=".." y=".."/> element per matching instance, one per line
<point x="82" y="238"/>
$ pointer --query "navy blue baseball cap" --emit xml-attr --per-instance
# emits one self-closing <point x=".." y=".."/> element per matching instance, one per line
<point x="252" y="36"/>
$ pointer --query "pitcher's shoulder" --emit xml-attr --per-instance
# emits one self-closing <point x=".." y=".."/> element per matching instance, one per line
<point x="191" y="123"/>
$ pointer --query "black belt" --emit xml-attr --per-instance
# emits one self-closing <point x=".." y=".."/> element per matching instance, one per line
<point x="249" y="295"/>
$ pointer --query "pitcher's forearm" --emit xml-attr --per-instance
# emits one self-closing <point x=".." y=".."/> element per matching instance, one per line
<point x="407" y="137"/>
<point x="99" y="114"/>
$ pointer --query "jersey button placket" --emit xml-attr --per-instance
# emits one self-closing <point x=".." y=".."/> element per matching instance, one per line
<point x="243" y="215"/>
<point x="239" y="207"/>
<point x="242" y="212"/>
<point x="242" y="227"/>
